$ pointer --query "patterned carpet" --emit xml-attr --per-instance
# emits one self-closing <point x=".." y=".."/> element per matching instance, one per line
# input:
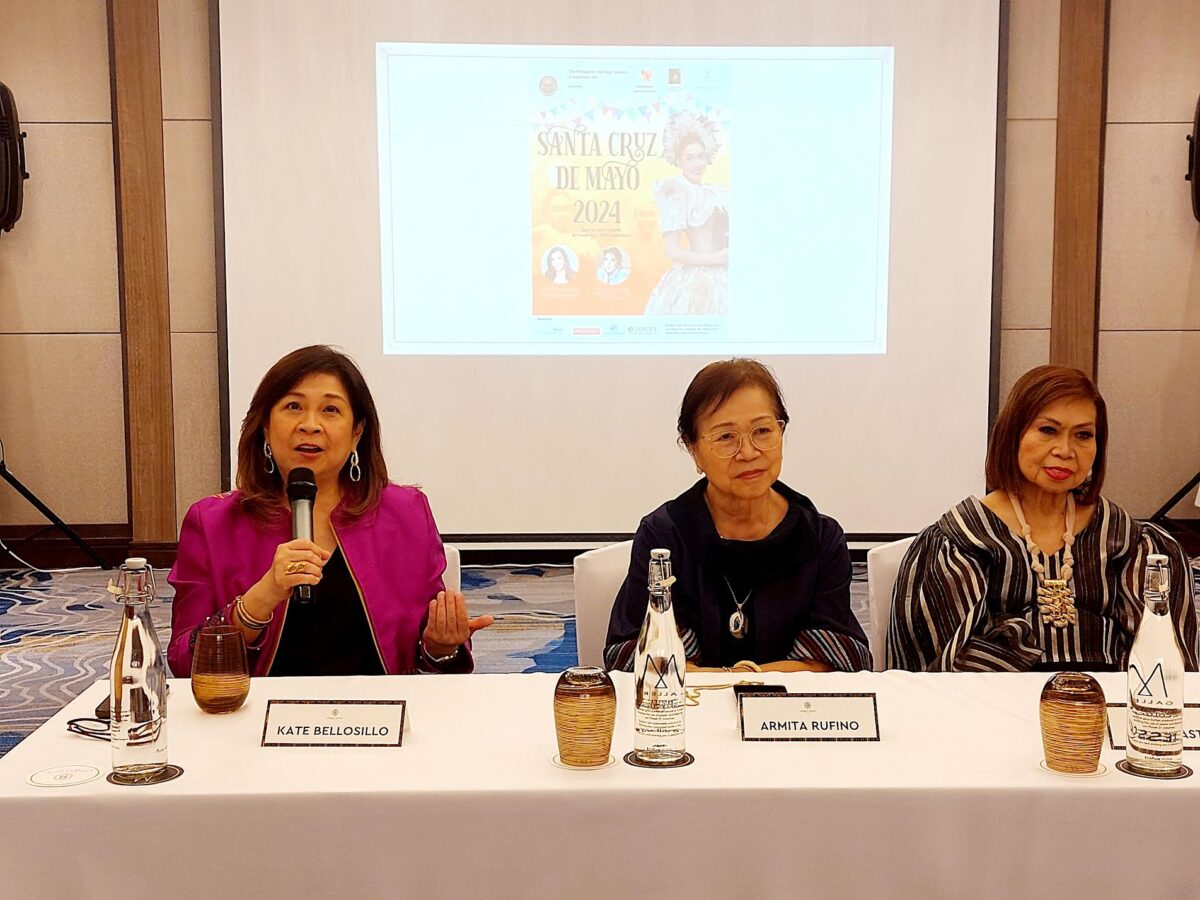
<point x="57" y="632"/>
<point x="534" y="608"/>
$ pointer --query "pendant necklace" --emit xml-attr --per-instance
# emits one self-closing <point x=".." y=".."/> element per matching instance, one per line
<point x="1055" y="599"/>
<point x="737" y="621"/>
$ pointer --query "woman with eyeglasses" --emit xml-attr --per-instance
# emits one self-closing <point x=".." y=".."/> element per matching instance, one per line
<point x="762" y="578"/>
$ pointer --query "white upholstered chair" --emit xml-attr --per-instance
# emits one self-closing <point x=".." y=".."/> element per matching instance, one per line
<point x="452" y="576"/>
<point x="883" y="565"/>
<point x="599" y="575"/>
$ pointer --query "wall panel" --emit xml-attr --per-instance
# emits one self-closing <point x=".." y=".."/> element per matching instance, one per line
<point x="63" y="427"/>
<point x="187" y="158"/>
<point x="1151" y="249"/>
<point x="58" y="266"/>
<point x="197" y="419"/>
<point x="54" y="56"/>
<point x="1028" y="224"/>
<point x="1033" y="59"/>
<point x="183" y="38"/>
<point x="1154" y="60"/>
<point x="1149" y="381"/>
<point x="1020" y="351"/>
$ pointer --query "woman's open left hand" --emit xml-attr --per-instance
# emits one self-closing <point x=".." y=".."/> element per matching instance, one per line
<point x="449" y="626"/>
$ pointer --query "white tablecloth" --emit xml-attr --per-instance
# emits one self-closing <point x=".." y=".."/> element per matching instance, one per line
<point x="951" y="802"/>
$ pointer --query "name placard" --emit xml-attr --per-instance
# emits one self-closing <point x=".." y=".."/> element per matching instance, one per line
<point x="808" y="717"/>
<point x="334" y="723"/>
<point x="1118" y="722"/>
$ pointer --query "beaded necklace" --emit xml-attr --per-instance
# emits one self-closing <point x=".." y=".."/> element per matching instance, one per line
<point x="1056" y="600"/>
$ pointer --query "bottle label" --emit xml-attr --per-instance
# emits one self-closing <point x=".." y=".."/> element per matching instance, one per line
<point x="660" y="700"/>
<point x="660" y="715"/>
<point x="1150" y="690"/>
<point x="1155" y="731"/>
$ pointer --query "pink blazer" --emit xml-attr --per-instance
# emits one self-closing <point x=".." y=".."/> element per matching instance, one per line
<point x="394" y="554"/>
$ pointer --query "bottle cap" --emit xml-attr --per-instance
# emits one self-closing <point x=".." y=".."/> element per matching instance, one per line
<point x="1158" y="575"/>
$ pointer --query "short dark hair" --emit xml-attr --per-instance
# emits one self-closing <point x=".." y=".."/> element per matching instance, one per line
<point x="1033" y="392"/>
<point x="716" y="383"/>
<point x="262" y="492"/>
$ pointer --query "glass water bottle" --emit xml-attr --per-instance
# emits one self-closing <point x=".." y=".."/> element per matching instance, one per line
<point x="659" y="668"/>
<point x="137" y="681"/>
<point x="1155" y="730"/>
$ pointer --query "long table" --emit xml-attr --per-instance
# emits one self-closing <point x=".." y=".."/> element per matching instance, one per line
<point x="951" y="802"/>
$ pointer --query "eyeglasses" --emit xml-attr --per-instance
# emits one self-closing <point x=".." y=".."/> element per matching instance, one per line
<point x="726" y="444"/>
<point x="92" y="728"/>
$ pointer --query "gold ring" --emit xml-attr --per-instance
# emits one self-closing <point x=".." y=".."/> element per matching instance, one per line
<point x="293" y="567"/>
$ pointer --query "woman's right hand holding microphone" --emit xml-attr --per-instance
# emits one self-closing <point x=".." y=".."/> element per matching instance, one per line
<point x="296" y="562"/>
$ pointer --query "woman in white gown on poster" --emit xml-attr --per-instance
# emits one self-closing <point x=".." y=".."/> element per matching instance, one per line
<point x="698" y="283"/>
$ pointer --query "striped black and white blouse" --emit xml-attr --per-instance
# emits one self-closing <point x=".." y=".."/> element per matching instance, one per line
<point x="965" y="598"/>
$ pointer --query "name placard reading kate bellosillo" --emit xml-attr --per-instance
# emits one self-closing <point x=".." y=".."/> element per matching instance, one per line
<point x="334" y="723"/>
<point x="808" y="717"/>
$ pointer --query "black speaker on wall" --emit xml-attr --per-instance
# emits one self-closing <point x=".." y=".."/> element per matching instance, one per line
<point x="1193" y="172"/>
<point x="12" y="160"/>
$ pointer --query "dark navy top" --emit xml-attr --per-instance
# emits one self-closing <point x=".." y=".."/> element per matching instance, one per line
<point x="798" y="578"/>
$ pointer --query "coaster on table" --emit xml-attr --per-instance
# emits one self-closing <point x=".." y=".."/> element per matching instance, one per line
<point x="612" y="761"/>
<point x="686" y="760"/>
<point x="63" y="776"/>
<point x="1101" y="769"/>
<point x="1183" y="772"/>
<point x="169" y="773"/>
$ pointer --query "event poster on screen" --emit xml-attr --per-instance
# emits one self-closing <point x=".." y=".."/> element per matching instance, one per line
<point x="634" y="200"/>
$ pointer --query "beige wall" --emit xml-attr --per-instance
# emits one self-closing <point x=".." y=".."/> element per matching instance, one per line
<point x="61" y="394"/>
<point x="1029" y="188"/>
<point x="1149" y="360"/>
<point x="191" y="267"/>
<point x="61" y="402"/>
<point x="1149" y="364"/>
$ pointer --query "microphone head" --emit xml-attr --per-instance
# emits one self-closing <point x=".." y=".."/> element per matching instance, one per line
<point x="301" y="485"/>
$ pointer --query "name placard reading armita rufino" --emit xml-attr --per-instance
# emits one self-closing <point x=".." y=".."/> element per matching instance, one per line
<point x="808" y="717"/>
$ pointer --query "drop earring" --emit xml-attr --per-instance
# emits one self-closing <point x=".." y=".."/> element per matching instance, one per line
<point x="270" y="457"/>
<point x="355" y="468"/>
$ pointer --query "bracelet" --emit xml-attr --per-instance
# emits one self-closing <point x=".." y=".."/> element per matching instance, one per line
<point x="248" y="620"/>
<point x="438" y="660"/>
<point x="747" y="665"/>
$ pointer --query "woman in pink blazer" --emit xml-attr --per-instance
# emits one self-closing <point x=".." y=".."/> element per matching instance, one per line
<point x="374" y="565"/>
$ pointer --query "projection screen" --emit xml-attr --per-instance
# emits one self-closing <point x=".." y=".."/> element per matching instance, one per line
<point x="531" y="224"/>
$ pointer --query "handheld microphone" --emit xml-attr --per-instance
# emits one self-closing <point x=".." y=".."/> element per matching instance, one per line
<point x="301" y="492"/>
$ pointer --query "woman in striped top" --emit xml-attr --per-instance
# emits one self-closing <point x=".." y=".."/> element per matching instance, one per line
<point x="1042" y="573"/>
<point x="762" y="578"/>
